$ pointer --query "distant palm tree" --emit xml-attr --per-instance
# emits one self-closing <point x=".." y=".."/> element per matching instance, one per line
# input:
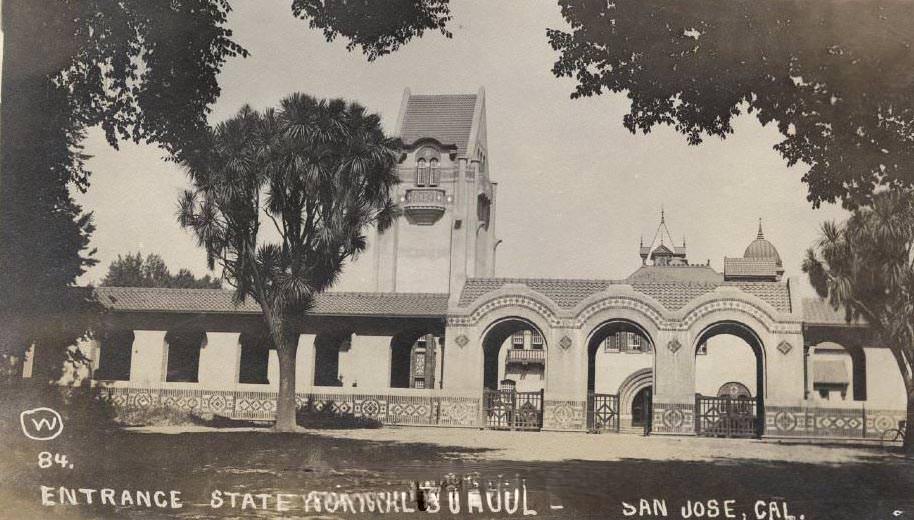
<point x="318" y="173"/>
<point x="866" y="266"/>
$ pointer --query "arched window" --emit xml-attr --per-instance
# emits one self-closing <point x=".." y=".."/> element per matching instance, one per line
<point x="421" y="172"/>
<point x="434" y="174"/>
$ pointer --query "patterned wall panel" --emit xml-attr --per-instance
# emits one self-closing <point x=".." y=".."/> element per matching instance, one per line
<point x="564" y="415"/>
<point x="673" y="418"/>
<point x="458" y="411"/>
<point x="829" y="423"/>
<point x="254" y="405"/>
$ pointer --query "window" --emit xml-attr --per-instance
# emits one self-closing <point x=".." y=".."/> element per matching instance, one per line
<point x="611" y="343"/>
<point x="434" y="174"/>
<point x="517" y="340"/>
<point x="536" y="340"/>
<point x="422" y="173"/>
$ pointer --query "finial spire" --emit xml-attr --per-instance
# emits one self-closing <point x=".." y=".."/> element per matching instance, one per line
<point x="760" y="234"/>
<point x="662" y="217"/>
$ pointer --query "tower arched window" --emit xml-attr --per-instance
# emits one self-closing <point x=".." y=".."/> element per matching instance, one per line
<point x="433" y="172"/>
<point x="421" y="172"/>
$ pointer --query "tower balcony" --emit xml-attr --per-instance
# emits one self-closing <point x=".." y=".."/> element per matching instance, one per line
<point x="424" y="206"/>
<point x="526" y="357"/>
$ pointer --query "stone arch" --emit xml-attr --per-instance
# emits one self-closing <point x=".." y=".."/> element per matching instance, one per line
<point x="508" y="301"/>
<point x="606" y="328"/>
<point x="639" y="310"/>
<point x="495" y="335"/>
<point x="751" y="337"/>
<point x="629" y="388"/>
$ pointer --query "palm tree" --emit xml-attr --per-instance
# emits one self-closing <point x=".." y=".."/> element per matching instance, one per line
<point x="318" y="173"/>
<point x="866" y="266"/>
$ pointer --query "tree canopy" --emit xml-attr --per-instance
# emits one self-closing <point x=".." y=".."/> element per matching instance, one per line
<point x="132" y="270"/>
<point x="317" y="173"/>
<point x="835" y="77"/>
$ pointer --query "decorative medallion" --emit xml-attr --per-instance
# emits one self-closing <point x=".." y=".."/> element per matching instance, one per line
<point x="785" y="421"/>
<point x="462" y="340"/>
<point x="565" y="343"/>
<point x="674" y="345"/>
<point x="785" y="347"/>
<point x="673" y="418"/>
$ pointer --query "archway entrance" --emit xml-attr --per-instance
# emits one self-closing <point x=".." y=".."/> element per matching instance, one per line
<point x="641" y="409"/>
<point x="730" y="381"/>
<point x="414" y="360"/>
<point x="619" y="364"/>
<point x="514" y="375"/>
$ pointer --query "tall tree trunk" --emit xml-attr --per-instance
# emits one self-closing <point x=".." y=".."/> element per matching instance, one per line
<point x="286" y="348"/>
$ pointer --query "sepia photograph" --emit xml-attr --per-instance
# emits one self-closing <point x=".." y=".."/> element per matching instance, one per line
<point x="573" y="259"/>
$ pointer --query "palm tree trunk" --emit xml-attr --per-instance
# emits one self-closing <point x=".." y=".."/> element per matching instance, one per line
<point x="286" y="348"/>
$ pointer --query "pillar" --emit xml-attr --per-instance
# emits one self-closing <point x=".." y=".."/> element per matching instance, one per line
<point x="219" y="360"/>
<point x="147" y="365"/>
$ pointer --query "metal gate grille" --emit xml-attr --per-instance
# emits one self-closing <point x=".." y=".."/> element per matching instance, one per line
<point x="511" y="410"/>
<point x="603" y="412"/>
<point x="726" y="416"/>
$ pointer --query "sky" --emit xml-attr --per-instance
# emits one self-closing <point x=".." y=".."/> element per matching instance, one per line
<point x="576" y="189"/>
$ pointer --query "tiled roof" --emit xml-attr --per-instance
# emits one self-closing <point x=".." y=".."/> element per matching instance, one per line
<point x="676" y="273"/>
<point x="830" y="371"/>
<point x="750" y="267"/>
<point x="660" y="283"/>
<point x="445" y="118"/>
<point x="819" y="312"/>
<point x="220" y="301"/>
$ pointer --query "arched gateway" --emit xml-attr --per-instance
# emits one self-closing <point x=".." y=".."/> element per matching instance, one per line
<point x="514" y="375"/>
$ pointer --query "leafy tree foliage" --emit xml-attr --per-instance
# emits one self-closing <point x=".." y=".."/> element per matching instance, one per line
<point x="142" y="70"/>
<point x="866" y="266"/>
<point x="317" y="173"/>
<point x="835" y="77"/>
<point x="376" y="31"/>
<point x="135" y="271"/>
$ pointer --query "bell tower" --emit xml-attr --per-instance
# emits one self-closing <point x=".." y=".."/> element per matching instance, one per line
<point x="446" y="233"/>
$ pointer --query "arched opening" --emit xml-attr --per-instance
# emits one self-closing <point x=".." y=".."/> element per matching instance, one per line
<point x="619" y="364"/>
<point x="514" y="375"/>
<point x="729" y="364"/>
<point x="255" y="358"/>
<point x="514" y="349"/>
<point x="114" y="356"/>
<point x="414" y="358"/>
<point x="838" y="372"/>
<point x="327" y="358"/>
<point x="183" y="355"/>
<point x="641" y="408"/>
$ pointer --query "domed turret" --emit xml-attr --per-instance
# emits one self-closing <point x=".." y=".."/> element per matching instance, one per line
<point x="761" y="248"/>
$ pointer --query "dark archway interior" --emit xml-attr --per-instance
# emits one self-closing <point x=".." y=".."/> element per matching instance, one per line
<point x="641" y="407"/>
<point x="491" y="345"/>
<point x="327" y="358"/>
<point x="401" y="349"/>
<point x="255" y="358"/>
<point x="115" y="353"/>
<point x="749" y="336"/>
<point x="604" y="331"/>
<point x="184" y="355"/>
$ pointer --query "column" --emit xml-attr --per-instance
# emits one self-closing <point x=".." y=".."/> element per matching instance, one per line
<point x="147" y="366"/>
<point x="219" y="360"/>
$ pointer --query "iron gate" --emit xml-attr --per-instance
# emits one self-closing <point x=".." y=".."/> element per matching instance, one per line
<point x="727" y="416"/>
<point x="509" y="409"/>
<point x="602" y="412"/>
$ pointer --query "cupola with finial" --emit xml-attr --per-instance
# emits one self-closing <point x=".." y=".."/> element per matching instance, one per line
<point x="760" y="262"/>
<point x="661" y="250"/>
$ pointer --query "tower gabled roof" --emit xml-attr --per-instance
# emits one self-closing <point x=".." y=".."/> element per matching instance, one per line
<point x="446" y="118"/>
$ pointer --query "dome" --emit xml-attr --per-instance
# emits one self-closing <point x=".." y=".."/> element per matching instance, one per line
<point x="761" y="248"/>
